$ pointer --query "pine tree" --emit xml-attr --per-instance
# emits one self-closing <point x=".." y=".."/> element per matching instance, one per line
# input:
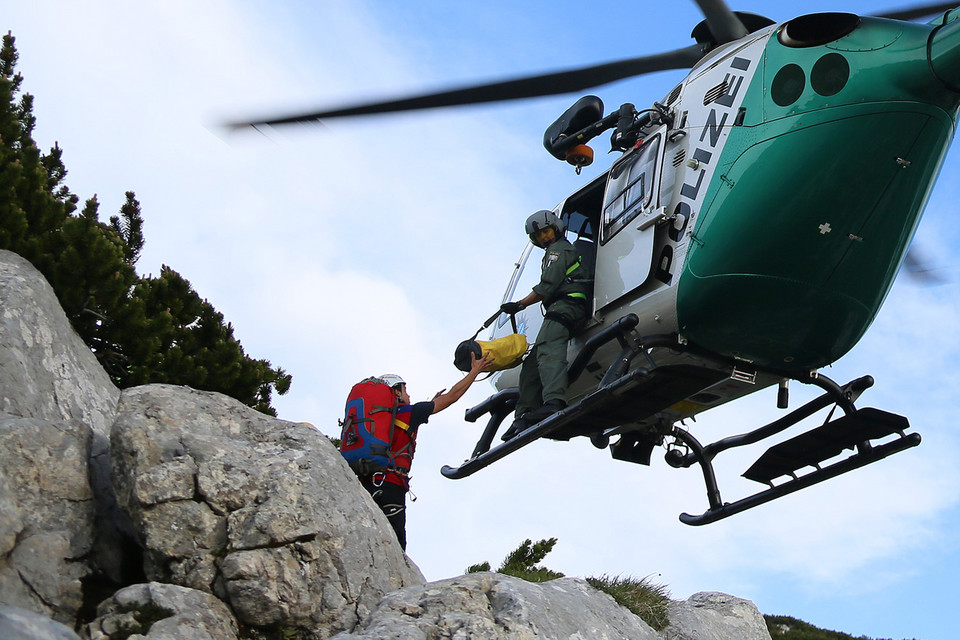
<point x="129" y="225"/>
<point x="142" y="330"/>
<point x="174" y="336"/>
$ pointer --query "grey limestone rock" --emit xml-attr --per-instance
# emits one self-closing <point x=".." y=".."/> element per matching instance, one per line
<point x="46" y="370"/>
<point x="710" y="615"/>
<point x="20" y="624"/>
<point x="491" y="606"/>
<point x="156" y="611"/>
<point x="47" y="504"/>
<point x="50" y="377"/>
<point x="261" y="512"/>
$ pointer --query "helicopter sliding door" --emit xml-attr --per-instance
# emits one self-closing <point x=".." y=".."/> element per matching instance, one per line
<point x="628" y="224"/>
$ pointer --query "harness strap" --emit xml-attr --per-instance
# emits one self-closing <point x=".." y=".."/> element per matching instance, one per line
<point x="378" y="478"/>
<point x="560" y="318"/>
<point x="379" y="409"/>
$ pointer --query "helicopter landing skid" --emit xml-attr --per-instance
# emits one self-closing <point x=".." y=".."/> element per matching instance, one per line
<point x="855" y="430"/>
<point x="639" y="391"/>
<point x="867" y="432"/>
<point x="484" y="456"/>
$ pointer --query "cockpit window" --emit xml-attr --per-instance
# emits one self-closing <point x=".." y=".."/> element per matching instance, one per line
<point x="629" y="187"/>
<point x="581" y="211"/>
<point x="578" y="226"/>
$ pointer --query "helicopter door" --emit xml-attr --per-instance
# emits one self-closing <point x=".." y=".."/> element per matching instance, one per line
<point x="627" y="227"/>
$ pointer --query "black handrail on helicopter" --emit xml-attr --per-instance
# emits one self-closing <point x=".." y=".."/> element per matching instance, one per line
<point x="502" y="403"/>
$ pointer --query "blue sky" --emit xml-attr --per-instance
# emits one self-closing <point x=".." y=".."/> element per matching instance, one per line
<point x="377" y="245"/>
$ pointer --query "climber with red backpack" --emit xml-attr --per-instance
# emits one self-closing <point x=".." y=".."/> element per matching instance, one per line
<point x="379" y="435"/>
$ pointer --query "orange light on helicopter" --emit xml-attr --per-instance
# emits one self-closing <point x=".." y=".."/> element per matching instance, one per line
<point x="580" y="156"/>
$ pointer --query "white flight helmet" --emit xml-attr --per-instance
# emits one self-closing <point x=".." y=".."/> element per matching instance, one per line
<point x="542" y="219"/>
<point x="392" y="379"/>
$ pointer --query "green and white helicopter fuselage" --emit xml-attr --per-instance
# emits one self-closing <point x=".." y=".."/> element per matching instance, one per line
<point x="763" y="221"/>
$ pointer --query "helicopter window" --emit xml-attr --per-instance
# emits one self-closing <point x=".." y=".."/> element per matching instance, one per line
<point x="579" y="224"/>
<point x="630" y="187"/>
<point x="581" y="211"/>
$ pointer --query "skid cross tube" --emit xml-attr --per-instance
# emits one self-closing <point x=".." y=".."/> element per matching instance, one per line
<point x="698" y="454"/>
<point x="615" y="331"/>
<point x="499" y="407"/>
<point x="835" y="394"/>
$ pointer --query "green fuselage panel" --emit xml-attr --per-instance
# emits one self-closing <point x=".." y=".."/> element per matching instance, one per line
<point x="803" y="232"/>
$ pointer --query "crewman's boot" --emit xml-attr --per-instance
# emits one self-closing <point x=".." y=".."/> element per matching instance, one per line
<point x="544" y="412"/>
<point x="519" y="424"/>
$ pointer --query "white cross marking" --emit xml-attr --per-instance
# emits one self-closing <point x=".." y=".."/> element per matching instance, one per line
<point x="825" y="228"/>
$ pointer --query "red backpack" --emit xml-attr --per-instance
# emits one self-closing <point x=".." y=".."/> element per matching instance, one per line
<point x="367" y="427"/>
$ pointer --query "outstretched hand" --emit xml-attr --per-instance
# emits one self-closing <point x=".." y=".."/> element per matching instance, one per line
<point x="443" y="399"/>
<point x="476" y="367"/>
<point x="482" y="364"/>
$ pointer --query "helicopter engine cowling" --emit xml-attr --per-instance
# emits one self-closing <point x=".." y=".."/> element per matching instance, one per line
<point x="945" y="51"/>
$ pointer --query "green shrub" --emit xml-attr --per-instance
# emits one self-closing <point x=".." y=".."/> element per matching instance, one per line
<point x="522" y="562"/>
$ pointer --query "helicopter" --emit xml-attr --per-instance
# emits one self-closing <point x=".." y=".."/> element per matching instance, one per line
<point x="745" y="237"/>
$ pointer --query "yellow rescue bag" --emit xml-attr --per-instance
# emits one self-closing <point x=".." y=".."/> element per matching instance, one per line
<point x="507" y="352"/>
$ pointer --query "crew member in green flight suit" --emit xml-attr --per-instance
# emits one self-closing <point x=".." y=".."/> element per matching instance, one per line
<point x="563" y="291"/>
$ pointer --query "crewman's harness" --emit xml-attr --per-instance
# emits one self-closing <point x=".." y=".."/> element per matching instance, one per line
<point x="576" y="296"/>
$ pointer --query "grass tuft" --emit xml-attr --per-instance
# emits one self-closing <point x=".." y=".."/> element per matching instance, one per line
<point x="644" y="598"/>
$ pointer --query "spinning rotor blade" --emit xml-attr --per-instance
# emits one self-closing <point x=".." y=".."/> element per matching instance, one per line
<point x="922" y="11"/>
<point x="548" y="84"/>
<point x="919" y="268"/>
<point x="724" y="24"/>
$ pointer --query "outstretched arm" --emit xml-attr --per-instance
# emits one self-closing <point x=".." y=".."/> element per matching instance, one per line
<point x="443" y="400"/>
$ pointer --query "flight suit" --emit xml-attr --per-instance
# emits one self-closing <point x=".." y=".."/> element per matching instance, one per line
<point x="543" y="376"/>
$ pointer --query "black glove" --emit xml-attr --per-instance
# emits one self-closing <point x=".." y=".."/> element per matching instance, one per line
<point x="511" y="307"/>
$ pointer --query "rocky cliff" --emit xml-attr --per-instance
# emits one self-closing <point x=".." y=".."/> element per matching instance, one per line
<point x="179" y="514"/>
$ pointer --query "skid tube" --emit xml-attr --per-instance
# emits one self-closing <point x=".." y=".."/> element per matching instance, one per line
<point x="843" y="397"/>
<point x="539" y="430"/>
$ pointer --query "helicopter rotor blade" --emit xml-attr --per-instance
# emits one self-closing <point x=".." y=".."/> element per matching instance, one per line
<point x="548" y="84"/>
<point x="723" y="22"/>
<point x="920" y="11"/>
<point x="920" y="269"/>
